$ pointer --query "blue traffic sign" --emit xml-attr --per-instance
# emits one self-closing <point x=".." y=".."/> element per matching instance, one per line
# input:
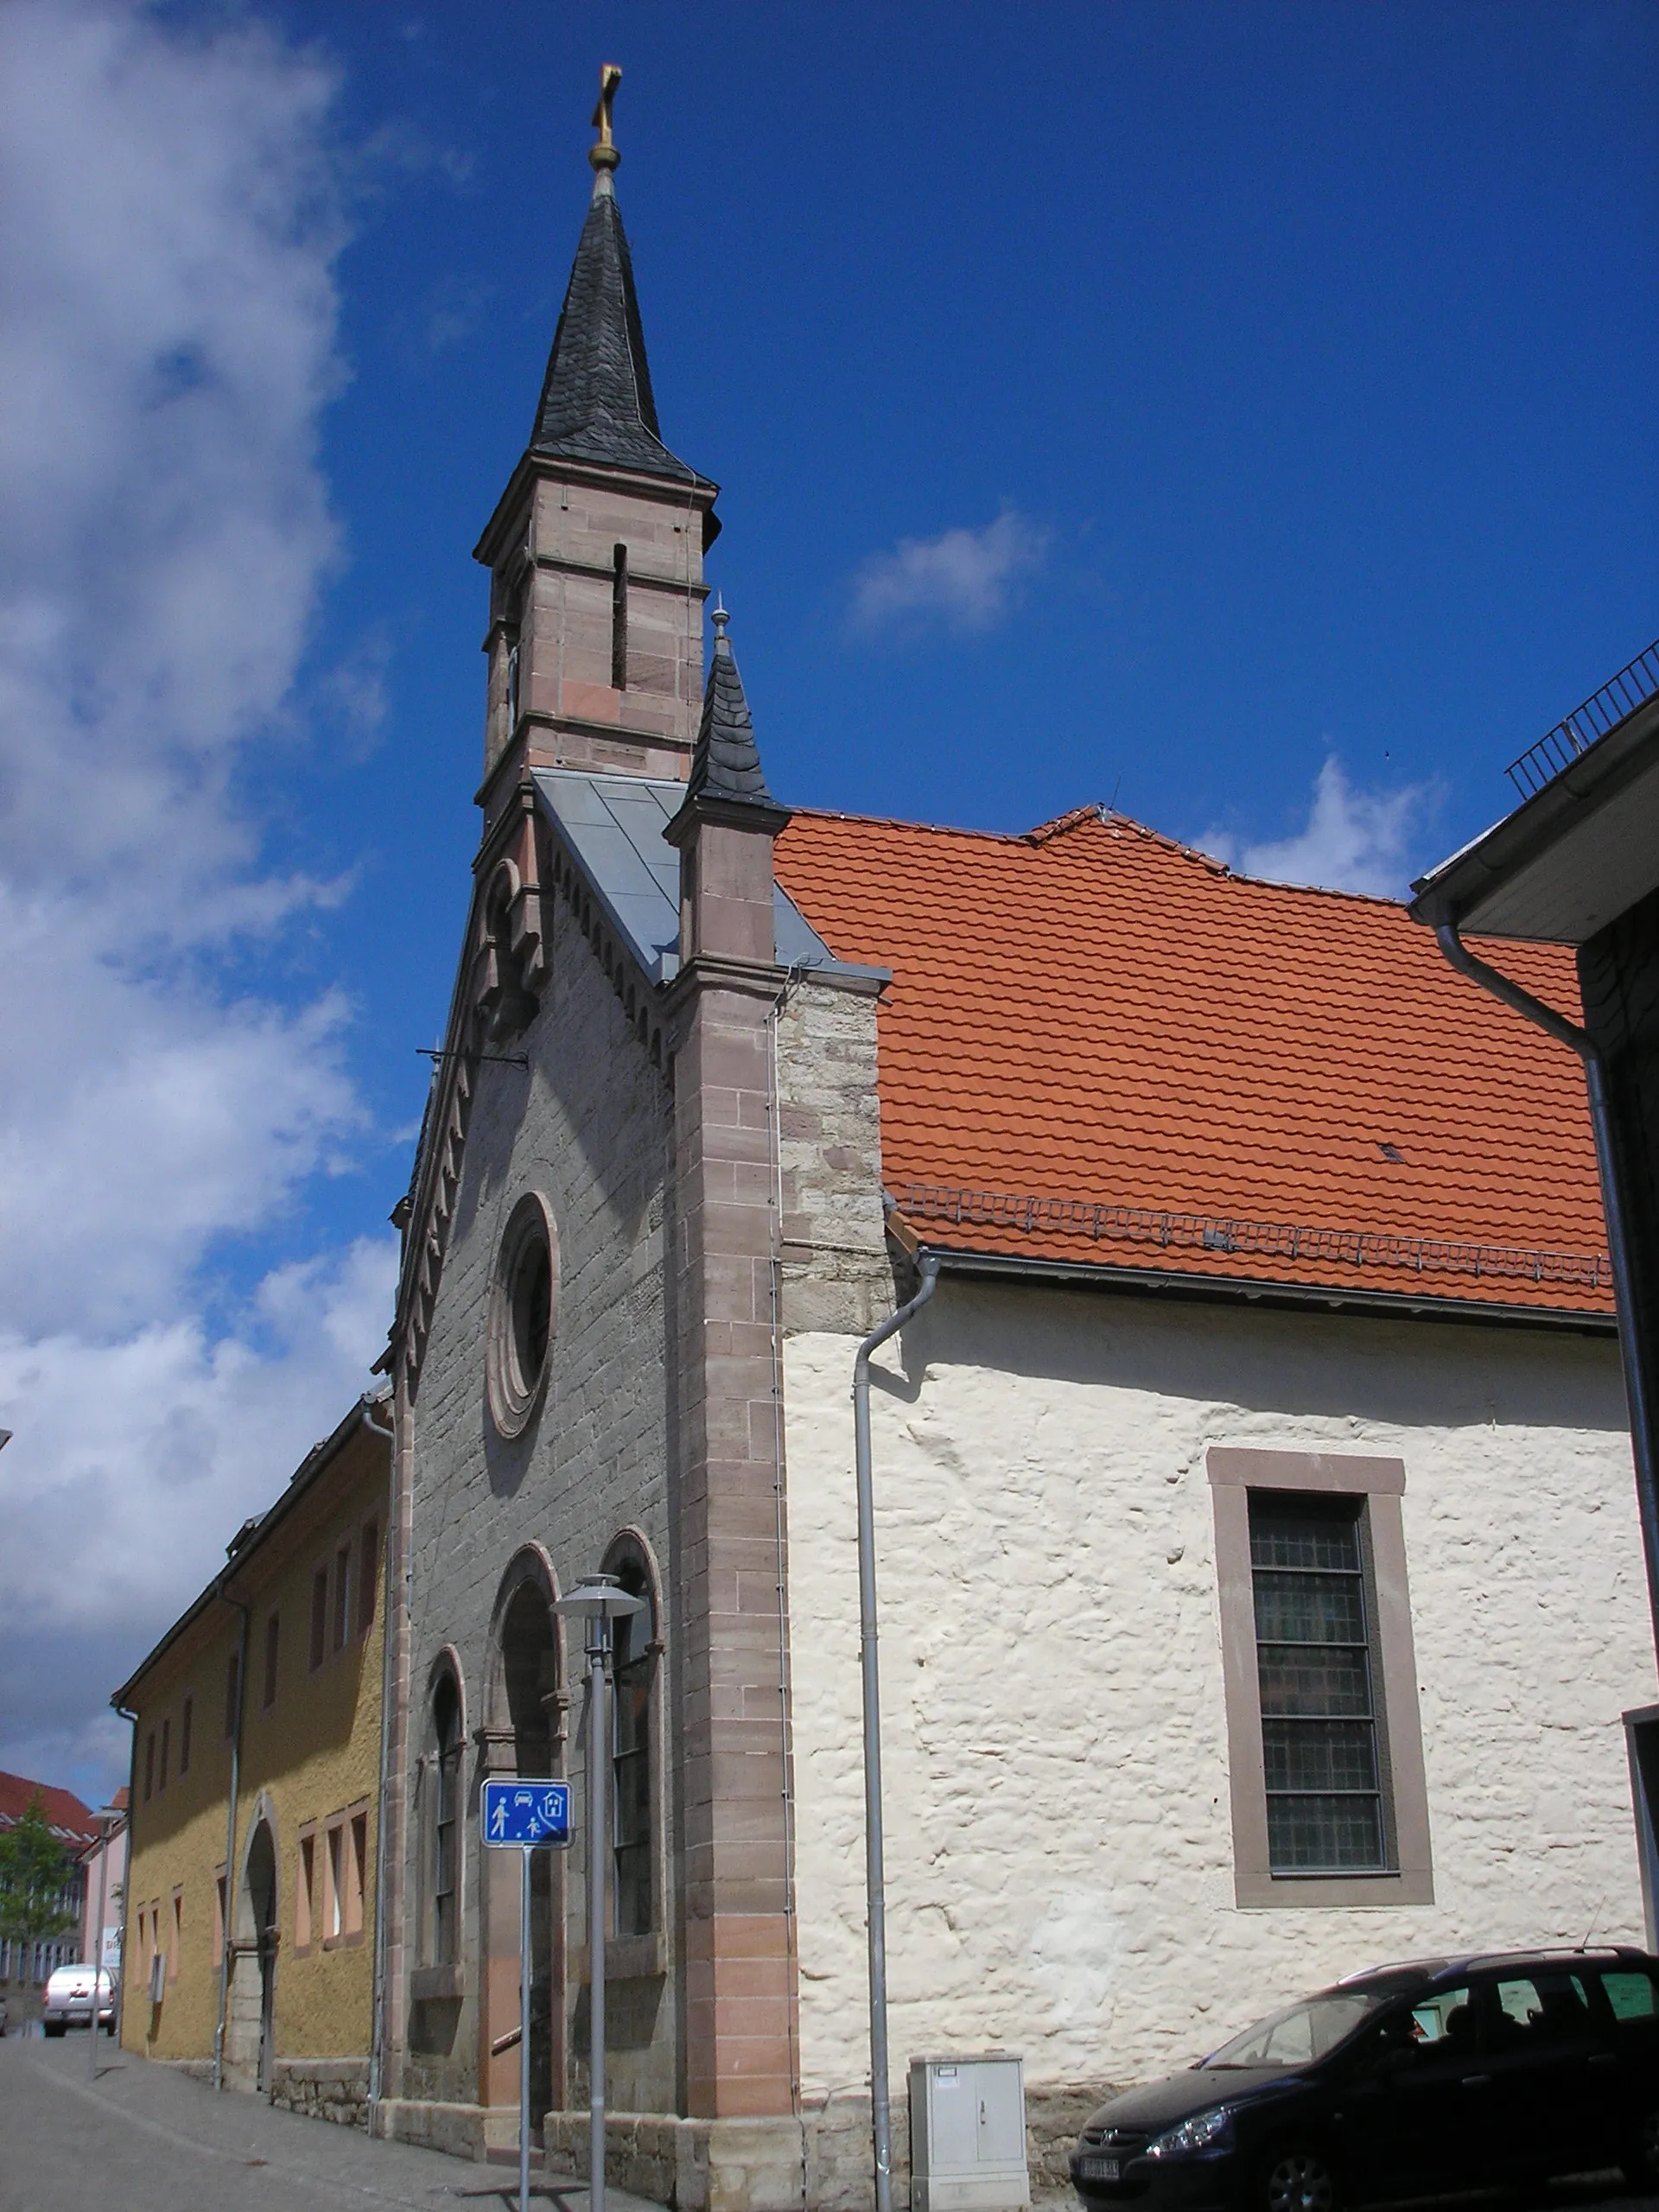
<point x="536" y="1813"/>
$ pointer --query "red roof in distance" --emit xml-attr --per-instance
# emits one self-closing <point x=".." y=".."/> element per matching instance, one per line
<point x="1102" y="1048"/>
<point x="69" y="1820"/>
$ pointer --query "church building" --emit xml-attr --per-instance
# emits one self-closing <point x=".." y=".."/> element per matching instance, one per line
<point x="1260" y="1580"/>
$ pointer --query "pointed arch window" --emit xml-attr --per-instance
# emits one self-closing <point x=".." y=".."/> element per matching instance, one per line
<point x="446" y="1821"/>
<point x="635" y="1653"/>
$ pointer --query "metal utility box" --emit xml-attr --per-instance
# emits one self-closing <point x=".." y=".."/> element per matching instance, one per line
<point x="967" y="2134"/>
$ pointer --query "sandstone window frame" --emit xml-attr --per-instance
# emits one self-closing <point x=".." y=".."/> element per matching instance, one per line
<point x="1377" y="1486"/>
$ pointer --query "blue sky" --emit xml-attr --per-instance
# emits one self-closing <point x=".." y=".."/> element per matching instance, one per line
<point x="1243" y="412"/>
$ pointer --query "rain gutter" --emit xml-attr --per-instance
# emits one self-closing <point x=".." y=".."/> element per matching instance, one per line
<point x="1261" y="1291"/>
<point x="1556" y="1025"/>
<point x="927" y="1267"/>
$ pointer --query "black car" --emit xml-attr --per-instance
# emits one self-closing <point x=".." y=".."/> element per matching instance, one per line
<point x="1408" y="2081"/>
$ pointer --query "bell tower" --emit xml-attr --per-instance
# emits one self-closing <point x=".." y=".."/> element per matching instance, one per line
<point x="595" y="547"/>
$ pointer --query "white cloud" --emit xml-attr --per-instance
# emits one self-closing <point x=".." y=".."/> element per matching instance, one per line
<point x="135" y="1461"/>
<point x="169" y="222"/>
<point x="1355" y="839"/>
<point x="964" y="578"/>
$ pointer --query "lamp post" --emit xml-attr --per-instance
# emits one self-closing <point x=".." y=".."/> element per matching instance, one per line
<point x="599" y="1599"/>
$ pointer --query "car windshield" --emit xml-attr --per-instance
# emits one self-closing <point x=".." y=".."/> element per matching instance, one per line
<point x="1301" y="2033"/>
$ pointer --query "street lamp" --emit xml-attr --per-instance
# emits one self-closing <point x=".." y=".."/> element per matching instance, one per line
<point x="599" y="1599"/>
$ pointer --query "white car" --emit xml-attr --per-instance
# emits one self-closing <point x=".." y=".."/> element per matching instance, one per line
<point x="69" y="2000"/>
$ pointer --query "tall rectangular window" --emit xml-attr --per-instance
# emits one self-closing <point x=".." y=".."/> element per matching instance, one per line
<point x="273" y="1639"/>
<point x="336" y="1903"/>
<point x="167" y="1740"/>
<point x="342" y="1596"/>
<point x="185" y="1716"/>
<point x="175" y="1944"/>
<point x="319" y="1617"/>
<point x="368" y="1575"/>
<point x="620" y="618"/>
<point x="1316" y="1665"/>
<point x="356" y="1872"/>
<point x="305" y="1893"/>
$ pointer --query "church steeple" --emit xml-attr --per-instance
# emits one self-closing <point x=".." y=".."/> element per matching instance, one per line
<point x="596" y="547"/>
<point x="596" y="401"/>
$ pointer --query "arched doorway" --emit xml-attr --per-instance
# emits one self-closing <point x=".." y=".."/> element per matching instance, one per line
<point x="250" y="2041"/>
<point x="525" y="1736"/>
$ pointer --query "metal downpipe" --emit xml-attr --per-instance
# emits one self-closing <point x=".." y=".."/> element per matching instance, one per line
<point x="1579" y="1040"/>
<point x="880" y="2115"/>
<point x="225" y="1938"/>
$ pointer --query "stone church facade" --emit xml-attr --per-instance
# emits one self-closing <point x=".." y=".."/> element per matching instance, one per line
<point x="716" y="1079"/>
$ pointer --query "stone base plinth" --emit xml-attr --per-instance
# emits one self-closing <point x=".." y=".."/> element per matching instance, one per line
<point x="694" y="2165"/>
<point x="323" y="2088"/>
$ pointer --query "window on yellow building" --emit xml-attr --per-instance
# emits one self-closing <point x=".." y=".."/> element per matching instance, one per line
<point x="219" y="1916"/>
<point x="305" y="1892"/>
<point x="342" y="1596"/>
<point x="368" y="1573"/>
<point x="175" y="1944"/>
<point x="336" y="1879"/>
<point x="167" y="1739"/>
<point x="185" y="1719"/>
<point x="319" y="1615"/>
<point x="357" y="1868"/>
<point x="273" y="1639"/>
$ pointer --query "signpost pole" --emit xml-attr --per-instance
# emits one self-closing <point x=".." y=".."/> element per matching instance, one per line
<point x="598" y="1631"/>
<point x="524" y="2035"/>
<point x="600" y="1599"/>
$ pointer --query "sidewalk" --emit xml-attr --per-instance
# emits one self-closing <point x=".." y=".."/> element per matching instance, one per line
<point x="144" y="2138"/>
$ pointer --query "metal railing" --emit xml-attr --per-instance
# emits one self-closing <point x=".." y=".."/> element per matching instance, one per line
<point x="1350" y="1248"/>
<point x="1576" y="732"/>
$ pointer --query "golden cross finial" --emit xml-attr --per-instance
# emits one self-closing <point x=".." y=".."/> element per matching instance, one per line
<point x="604" y="156"/>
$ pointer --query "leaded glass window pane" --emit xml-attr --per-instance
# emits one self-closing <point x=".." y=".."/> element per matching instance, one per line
<point x="1315" y="1666"/>
<point x="635" y="1667"/>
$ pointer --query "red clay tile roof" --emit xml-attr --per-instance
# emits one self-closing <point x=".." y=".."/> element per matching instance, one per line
<point x="1100" y="1045"/>
<point x="69" y="1820"/>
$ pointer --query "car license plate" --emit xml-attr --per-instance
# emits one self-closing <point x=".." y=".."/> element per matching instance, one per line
<point x="1100" y="2169"/>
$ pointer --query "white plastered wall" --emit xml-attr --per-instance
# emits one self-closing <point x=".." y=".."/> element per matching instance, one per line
<point x="1059" y="1850"/>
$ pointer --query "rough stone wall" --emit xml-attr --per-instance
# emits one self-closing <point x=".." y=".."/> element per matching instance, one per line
<point x="1059" y="1855"/>
<point x="323" y="2088"/>
<point x="588" y="1125"/>
<point x="835" y="1269"/>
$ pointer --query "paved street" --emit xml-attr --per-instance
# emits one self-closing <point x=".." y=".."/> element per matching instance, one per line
<point x="146" y="2139"/>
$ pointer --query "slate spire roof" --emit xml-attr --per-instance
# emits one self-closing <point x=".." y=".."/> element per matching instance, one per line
<point x="596" y="403"/>
<point x="726" y="761"/>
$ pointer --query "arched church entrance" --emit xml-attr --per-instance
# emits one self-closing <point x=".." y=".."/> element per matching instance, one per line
<point x="250" y="2038"/>
<point x="524" y="1735"/>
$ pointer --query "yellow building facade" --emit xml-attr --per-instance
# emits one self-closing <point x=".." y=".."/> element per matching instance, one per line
<point x="249" y="1944"/>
